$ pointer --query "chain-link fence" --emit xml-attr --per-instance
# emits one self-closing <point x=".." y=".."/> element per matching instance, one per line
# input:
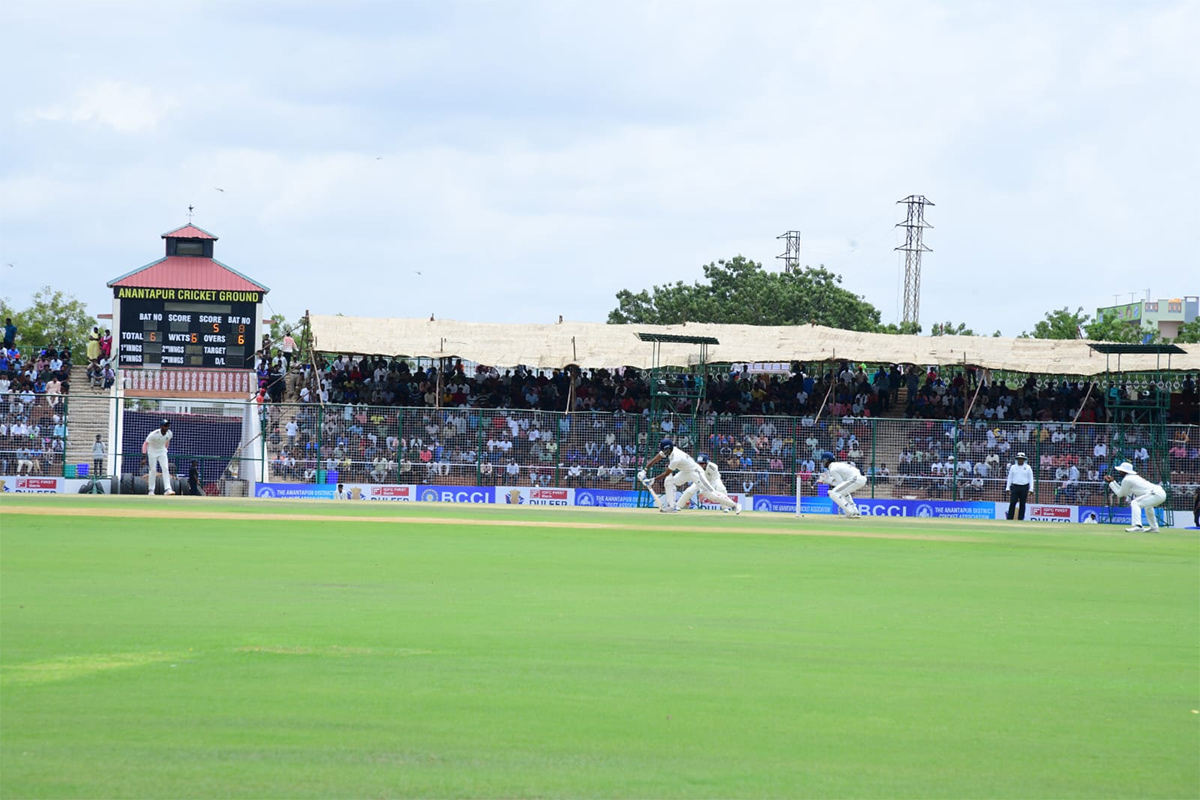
<point x="223" y="442"/>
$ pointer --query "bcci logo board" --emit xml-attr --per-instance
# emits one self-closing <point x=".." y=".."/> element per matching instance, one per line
<point x="449" y="495"/>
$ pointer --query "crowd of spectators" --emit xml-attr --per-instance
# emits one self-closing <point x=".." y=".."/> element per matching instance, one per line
<point x="375" y="444"/>
<point x="849" y="391"/>
<point x="34" y="383"/>
<point x="389" y="421"/>
<point x="944" y="459"/>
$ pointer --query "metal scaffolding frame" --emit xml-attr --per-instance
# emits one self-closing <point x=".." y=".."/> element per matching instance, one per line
<point x="676" y="391"/>
<point x="1146" y="406"/>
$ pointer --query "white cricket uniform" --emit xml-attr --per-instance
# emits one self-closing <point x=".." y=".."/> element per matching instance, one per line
<point x="1142" y="494"/>
<point x="712" y="473"/>
<point x="688" y="471"/>
<point x="844" y="479"/>
<point x="156" y="453"/>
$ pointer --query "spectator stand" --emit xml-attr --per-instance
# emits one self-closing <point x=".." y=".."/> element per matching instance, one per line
<point x="34" y="385"/>
<point x="1140" y="406"/>
<point x="676" y="396"/>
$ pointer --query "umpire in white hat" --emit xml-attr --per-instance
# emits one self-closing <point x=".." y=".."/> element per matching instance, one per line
<point x="1142" y="494"/>
<point x="1018" y="484"/>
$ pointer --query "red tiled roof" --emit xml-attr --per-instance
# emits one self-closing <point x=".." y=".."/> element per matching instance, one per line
<point x="189" y="232"/>
<point x="188" y="272"/>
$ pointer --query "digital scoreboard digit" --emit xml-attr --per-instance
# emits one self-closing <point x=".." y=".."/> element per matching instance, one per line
<point x="181" y="334"/>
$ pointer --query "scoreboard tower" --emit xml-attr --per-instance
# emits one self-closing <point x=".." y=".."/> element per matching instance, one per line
<point x="186" y="323"/>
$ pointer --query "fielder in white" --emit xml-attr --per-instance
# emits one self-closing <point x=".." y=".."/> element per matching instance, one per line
<point x="1142" y="494"/>
<point x="713" y="473"/>
<point x="683" y="470"/>
<point x="843" y="479"/>
<point x="155" y="448"/>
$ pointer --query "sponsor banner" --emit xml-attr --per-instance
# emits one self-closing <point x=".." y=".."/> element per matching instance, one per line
<point x="526" y="496"/>
<point x="405" y="493"/>
<point x="624" y="498"/>
<point x="1116" y="515"/>
<point x="786" y="504"/>
<point x="296" y="491"/>
<point x="30" y="484"/>
<point x="883" y="507"/>
<point x="1123" y="515"/>
<point x="1040" y="512"/>
<point x="456" y="494"/>
<point x="607" y="498"/>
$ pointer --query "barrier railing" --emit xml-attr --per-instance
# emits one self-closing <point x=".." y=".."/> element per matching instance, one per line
<point x="313" y="443"/>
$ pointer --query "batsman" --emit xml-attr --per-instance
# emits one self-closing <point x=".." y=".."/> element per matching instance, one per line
<point x="683" y="470"/>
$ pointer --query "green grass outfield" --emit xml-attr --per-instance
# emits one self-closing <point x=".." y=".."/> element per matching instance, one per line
<point x="313" y="649"/>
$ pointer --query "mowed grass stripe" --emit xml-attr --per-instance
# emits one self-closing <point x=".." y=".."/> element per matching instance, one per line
<point x="496" y="517"/>
<point x="480" y="661"/>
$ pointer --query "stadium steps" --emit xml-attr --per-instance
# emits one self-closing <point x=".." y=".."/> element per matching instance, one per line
<point x="897" y="409"/>
<point x="87" y="415"/>
<point x="287" y="413"/>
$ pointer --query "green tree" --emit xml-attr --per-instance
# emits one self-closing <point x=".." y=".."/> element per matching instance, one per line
<point x="55" y="318"/>
<point x="902" y="328"/>
<point x="950" y="329"/>
<point x="1059" y="324"/>
<point x="1111" y="328"/>
<point x="1189" y="333"/>
<point x="740" y="292"/>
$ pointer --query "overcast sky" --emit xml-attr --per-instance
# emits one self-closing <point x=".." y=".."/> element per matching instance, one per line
<point x="513" y="161"/>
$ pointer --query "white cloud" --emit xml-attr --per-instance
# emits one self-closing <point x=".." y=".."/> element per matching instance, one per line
<point x="120" y="106"/>
<point x="552" y="154"/>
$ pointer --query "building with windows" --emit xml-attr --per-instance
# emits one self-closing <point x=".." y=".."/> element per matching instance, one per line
<point x="1164" y="316"/>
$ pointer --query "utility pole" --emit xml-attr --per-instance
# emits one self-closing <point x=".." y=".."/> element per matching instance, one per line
<point x="791" y="253"/>
<point x="913" y="247"/>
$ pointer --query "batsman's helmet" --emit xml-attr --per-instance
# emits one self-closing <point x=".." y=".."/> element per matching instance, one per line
<point x="666" y="445"/>
<point x="166" y="423"/>
<point x="702" y="459"/>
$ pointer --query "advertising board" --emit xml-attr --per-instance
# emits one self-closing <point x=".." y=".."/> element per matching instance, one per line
<point x="526" y="496"/>
<point x="30" y="484"/>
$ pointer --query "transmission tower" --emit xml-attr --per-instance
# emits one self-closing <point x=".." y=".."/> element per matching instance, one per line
<point x="791" y="253"/>
<point x="914" y="226"/>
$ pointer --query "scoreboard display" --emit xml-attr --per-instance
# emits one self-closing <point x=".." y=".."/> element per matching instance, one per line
<point x="186" y="333"/>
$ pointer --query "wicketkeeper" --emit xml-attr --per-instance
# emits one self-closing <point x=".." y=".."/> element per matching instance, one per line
<point x="1142" y="494"/>
<point x="844" y="480"/>
<point x="713" y="473"/>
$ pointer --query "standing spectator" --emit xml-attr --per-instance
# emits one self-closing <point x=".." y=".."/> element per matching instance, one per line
<point x="10" y="334"/>
<point x="97" y="457"/>
<point x="93" y="346"/>
<point x="106" y="345"/>
<point x="289" y="347"/>
<point x="1018" y="484"/>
